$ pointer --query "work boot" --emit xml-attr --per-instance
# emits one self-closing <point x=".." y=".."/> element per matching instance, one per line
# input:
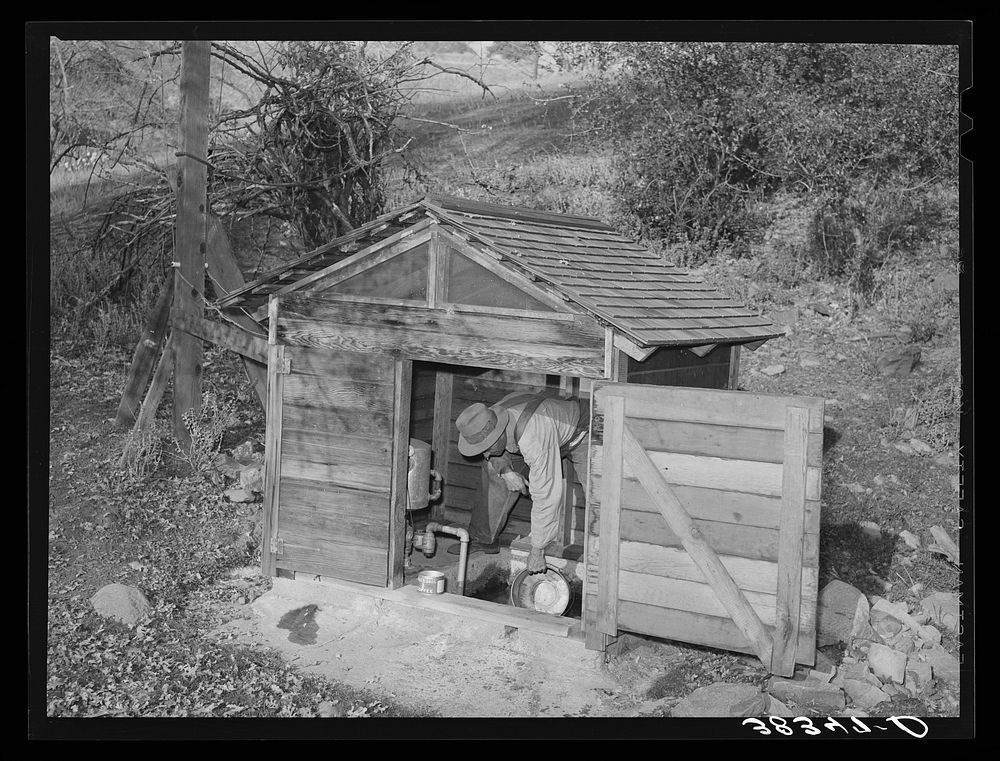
<point x="488" y="549"/>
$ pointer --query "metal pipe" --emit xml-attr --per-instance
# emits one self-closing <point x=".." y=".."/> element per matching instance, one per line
<point x="463" y="536"/>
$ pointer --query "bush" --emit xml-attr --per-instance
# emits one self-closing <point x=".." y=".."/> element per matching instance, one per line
<point x="706" y="132"/>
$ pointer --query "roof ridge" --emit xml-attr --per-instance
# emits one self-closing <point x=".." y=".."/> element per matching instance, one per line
<point x="502" y="211"/>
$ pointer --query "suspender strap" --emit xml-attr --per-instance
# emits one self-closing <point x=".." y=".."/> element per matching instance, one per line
<point x="525" y="416"/>
<point x="529" y="410"/>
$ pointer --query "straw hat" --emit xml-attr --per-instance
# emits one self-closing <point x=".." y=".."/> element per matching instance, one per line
<point x="479" y="427"/>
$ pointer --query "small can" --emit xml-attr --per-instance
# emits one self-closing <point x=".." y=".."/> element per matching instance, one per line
<point x="430" y="582"/>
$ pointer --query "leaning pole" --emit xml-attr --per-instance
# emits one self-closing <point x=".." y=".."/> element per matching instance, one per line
<point x="191" y="227"/>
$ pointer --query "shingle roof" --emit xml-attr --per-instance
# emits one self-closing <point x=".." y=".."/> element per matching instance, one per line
<point x="651" y="301"/>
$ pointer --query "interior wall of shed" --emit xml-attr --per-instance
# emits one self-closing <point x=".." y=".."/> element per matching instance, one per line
<point x="462" y="476"/>
<point x="678" y="366"/>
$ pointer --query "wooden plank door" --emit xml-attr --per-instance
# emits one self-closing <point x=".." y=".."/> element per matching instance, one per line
<point x="333" y="439"/>
<point x="703" y="519"/>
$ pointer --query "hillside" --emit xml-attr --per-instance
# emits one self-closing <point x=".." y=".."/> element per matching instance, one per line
<point x="891" y="463"/>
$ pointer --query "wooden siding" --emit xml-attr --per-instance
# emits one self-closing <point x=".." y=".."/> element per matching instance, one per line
<point x="572" y="346"/>
<point x="333" y="517"/>
<point x="725" y="457"/>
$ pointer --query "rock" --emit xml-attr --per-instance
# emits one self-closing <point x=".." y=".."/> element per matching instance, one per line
<point x="226" y="465"/>
<point x="245" y="455"/>
<point x="864" y="694"/>
<point x="841" y="612"/>
<point x="918" y="676"/>
<point x="785" y="316"/>
<point x="252" y="478"/>
<point x="942" y="608"/>
<point x="810" y="362"/>
<point x="920" y="447"/>
<point x="870" y="530"/>
<point x="328" y="709"/>
<point x="948" y="283"/>
<point x="887" y="664"/>
<point x="776" y="708"/>
<point x="239" y="495"/>
<point x="856" y="671"/>
<point x="821" y="308"/>
<point x="904" y="447"/>
<point x="898" y="362"/>
<point x="824" y="662"/>
<point x="928" y="637"/>
<point x="905" y="641"/>
<point x="124" y="603"/>
<point x="885" y="625"/>
<point x="722" y="699"/>
<point x="944" y="544"/>
<point x="945" y="460"/>
<point x="808" y="693"/>
<point x="900" y="611"/>
<point x="910" y="539"/>
<point x="944" y="665"/>
<point x="773" y="370"/>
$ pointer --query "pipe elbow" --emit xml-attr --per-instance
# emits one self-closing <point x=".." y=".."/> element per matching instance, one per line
<point x="461" y="533"/>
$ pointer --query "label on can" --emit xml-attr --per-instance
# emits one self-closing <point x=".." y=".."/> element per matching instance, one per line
<point x="430" y="582"/>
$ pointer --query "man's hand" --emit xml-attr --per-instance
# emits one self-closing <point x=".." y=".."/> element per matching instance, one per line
<point x="536" y="561"/>
<point x="515" y="481"/>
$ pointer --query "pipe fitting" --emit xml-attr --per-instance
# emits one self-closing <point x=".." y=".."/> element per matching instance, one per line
<point x="463" y="536"/>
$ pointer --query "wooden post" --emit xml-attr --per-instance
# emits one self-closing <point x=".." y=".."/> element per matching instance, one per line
<point x="192" y="197"/>
<point x="611" y="497"/>
<point x="145" y="356"/>
<point x="734" y="367"/>
<point x="403" y="375"/>
<point x="147" y="412"/>
<point x="793" y="498"/>
<point x="272" y="458"/>
<point x="444" y="383"/>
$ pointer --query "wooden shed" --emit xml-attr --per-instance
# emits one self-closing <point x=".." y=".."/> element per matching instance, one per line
<point x="385" y="334"/>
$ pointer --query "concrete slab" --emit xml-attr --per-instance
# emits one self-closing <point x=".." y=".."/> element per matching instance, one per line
<point x="451" y="658"/>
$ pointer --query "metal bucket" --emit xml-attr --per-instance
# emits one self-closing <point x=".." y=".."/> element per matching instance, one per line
<point x="430" y="582"/>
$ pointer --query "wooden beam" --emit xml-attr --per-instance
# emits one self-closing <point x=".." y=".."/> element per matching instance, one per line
<point x="147" y="412"/>
<point x="144" y="357"/>
<point x="228" y="337"/>
<point x="702" y="351"/>
<point x="638" y="353"/>
<point x="227" y="277"/>
<point x="743" y="615"/>
<point x="272" y="459"/>
<point x="398" y="481"/>
<point x="444" y="383"/>
<point x="734" y="367"/>
<point x="192" y="199"/>
<point x="793" y="498"/>
<point x="611" y="492"/>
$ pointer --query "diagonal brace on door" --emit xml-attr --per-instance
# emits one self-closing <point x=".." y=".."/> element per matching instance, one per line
<point x="694" y="543"/>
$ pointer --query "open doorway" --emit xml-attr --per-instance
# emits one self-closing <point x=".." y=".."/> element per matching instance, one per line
<point x="439" y="392"/>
